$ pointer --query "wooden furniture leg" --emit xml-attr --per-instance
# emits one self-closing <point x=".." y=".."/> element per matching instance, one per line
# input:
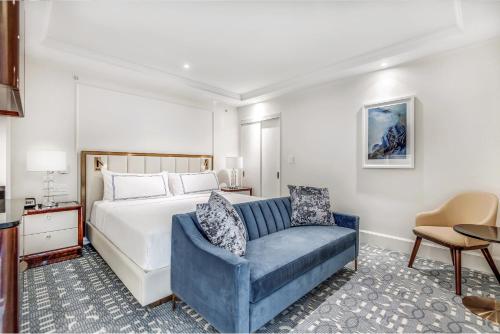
<point x="414" y="252"/>
<point x="356" y="264"/>
<point x="491" y="262"/>
<point x="173" y="302"/>
<point x="458" y="271"/>
<point x="452" y="256"/>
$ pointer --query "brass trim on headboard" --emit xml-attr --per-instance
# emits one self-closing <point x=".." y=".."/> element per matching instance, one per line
<point x="83" y="167"/>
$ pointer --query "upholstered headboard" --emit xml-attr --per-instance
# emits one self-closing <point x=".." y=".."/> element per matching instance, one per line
<point x="91" y="162"/>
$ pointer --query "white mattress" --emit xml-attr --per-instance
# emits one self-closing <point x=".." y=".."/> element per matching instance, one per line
<point x="141" y="229"/>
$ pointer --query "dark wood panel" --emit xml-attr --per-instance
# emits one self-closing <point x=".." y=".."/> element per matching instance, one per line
<point x="9" y="113"/>
<point x="9" y="43"/>
<point x="236" y="190"/>
<point x="53" y="209"/>
<point x="9" y="283"/>
<point x="53" y="256"/>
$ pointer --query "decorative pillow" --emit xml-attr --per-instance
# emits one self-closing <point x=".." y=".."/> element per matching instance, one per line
<point x="310" y="206"/>
<point x="120" y="186"/>
<point x="188" y="183"/>
<point x="222" y="224"/>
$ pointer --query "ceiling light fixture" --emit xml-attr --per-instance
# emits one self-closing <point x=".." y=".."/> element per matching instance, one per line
<point x="186" y="66"/>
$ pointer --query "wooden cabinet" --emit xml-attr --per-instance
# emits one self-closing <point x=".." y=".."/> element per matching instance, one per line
<point x="52" y="234"/>
<point x="9" y="282"/>
<point x="10" y="275"/>
<point x="11" y="58"/>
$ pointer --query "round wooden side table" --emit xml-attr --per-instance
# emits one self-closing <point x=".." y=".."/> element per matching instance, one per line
<point x="486" y="308"/>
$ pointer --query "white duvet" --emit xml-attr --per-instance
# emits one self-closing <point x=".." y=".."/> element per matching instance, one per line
<point x="141" y="229"/>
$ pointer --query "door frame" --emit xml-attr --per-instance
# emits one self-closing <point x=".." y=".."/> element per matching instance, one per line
<point x="260" y="120"/>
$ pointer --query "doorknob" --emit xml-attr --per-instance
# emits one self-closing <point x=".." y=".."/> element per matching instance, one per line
<point x="277" y="175"/>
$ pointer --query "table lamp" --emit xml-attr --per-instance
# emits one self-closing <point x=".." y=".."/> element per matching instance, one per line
<point x="233" y="163"/>
<point x="48" y="162"/>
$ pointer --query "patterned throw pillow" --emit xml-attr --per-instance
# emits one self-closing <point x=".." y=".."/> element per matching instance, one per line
<point x="222" y="224"/>
<point x="310" y="206"/>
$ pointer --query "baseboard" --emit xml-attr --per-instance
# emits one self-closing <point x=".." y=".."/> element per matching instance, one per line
<point x="470" y="259"/>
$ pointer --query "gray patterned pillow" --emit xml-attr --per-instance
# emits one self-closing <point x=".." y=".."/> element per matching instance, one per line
<point x="310" y="206"/>
<point x="222" y="224"/>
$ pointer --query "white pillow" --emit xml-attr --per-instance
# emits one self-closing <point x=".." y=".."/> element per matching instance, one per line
<point x="188" y="183"/>
<point x="175" y="184"/>
<point x="120" y="186"/>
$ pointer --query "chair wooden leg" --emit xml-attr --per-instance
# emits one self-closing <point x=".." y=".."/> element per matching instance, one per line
<point x="452" y="256"/>
<point x="458" y="271"/>
<point x="414" y="252"/>
<point x="491" y="262"/>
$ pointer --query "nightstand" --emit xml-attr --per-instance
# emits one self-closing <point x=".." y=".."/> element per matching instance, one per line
<point x="52" y="235"/>
<point x="239" y="190"/>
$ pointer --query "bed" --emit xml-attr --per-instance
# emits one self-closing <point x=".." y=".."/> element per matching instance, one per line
<point x="133" y="236"/>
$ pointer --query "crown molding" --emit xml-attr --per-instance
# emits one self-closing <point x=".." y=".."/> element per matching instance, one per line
<point x="149" y="70"/>
<point x="394" y="54"/>
<point x="420" y="46"/>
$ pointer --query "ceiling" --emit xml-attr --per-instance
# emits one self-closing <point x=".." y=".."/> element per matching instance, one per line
<point x="241" y="52"/>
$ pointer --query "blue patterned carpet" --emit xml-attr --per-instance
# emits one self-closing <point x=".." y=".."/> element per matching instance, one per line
<point x="84" y="295"/>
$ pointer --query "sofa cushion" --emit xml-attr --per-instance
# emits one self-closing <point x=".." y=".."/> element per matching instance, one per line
<point x="310" y="206"/>
<point x="278" y="258"/>
<point x="221" y="224"/>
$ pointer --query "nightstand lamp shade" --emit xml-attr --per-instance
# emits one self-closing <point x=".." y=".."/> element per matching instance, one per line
<point x="46" y="161"/>
<point x="233" y="163"/>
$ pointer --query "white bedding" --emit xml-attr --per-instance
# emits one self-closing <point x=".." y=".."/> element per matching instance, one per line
<point x="141" y="229"/>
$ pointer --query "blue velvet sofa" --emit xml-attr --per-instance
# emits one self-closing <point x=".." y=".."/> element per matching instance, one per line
<point x="282" y="263"/>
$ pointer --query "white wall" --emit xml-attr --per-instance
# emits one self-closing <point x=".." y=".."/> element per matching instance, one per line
<point x="51" y="123"/>
<point x="457" y="140"/>
<point x="120" y="121"/>
<point x="4" y="150"/>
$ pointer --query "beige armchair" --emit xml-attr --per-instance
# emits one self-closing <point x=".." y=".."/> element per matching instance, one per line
<point x="437" y="226"/>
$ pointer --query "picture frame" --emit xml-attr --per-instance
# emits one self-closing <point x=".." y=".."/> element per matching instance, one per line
<point x="388" y="133"/>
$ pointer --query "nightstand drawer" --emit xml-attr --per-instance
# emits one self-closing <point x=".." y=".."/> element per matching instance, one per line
<point x="52" y="221"/>
<point x="42" y="242"/>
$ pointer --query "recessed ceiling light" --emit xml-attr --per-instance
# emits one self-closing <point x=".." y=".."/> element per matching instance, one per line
<point x="186" y="66"/>
<point x="383" y="65"/>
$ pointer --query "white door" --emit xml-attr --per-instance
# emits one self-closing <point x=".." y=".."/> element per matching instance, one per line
<point x="250" y="151"/>
<point x="270" y="171"/>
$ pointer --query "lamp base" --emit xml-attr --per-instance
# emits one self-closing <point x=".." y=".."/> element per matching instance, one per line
<point x="233" y="184"/>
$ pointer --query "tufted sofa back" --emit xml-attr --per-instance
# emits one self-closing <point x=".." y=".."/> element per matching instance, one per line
<point x="262" y="217"/>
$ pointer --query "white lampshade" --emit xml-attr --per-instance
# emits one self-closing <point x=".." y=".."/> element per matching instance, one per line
<point x="46" y="161"/>
<point x="234" y="162"/>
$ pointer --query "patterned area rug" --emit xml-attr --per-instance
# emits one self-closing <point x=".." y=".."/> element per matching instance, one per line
<point x="84" y="295"/>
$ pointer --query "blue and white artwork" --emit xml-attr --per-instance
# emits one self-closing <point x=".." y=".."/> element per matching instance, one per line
<point x="387" y="132"/>
<point x="388" y="129"/>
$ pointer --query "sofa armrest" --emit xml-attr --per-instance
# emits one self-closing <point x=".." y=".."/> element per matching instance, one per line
<point x="212" y="280"/>
<point x="348" y="221"/>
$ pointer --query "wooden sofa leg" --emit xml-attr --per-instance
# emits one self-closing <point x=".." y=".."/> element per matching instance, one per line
<point x="458" y="271"/>
<point x="491" y="262"/>
<point x="173" y="302"/>
<point x="414" y="252"/>
<point x="452" y="256"/>
<point x="356" y="264"/>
